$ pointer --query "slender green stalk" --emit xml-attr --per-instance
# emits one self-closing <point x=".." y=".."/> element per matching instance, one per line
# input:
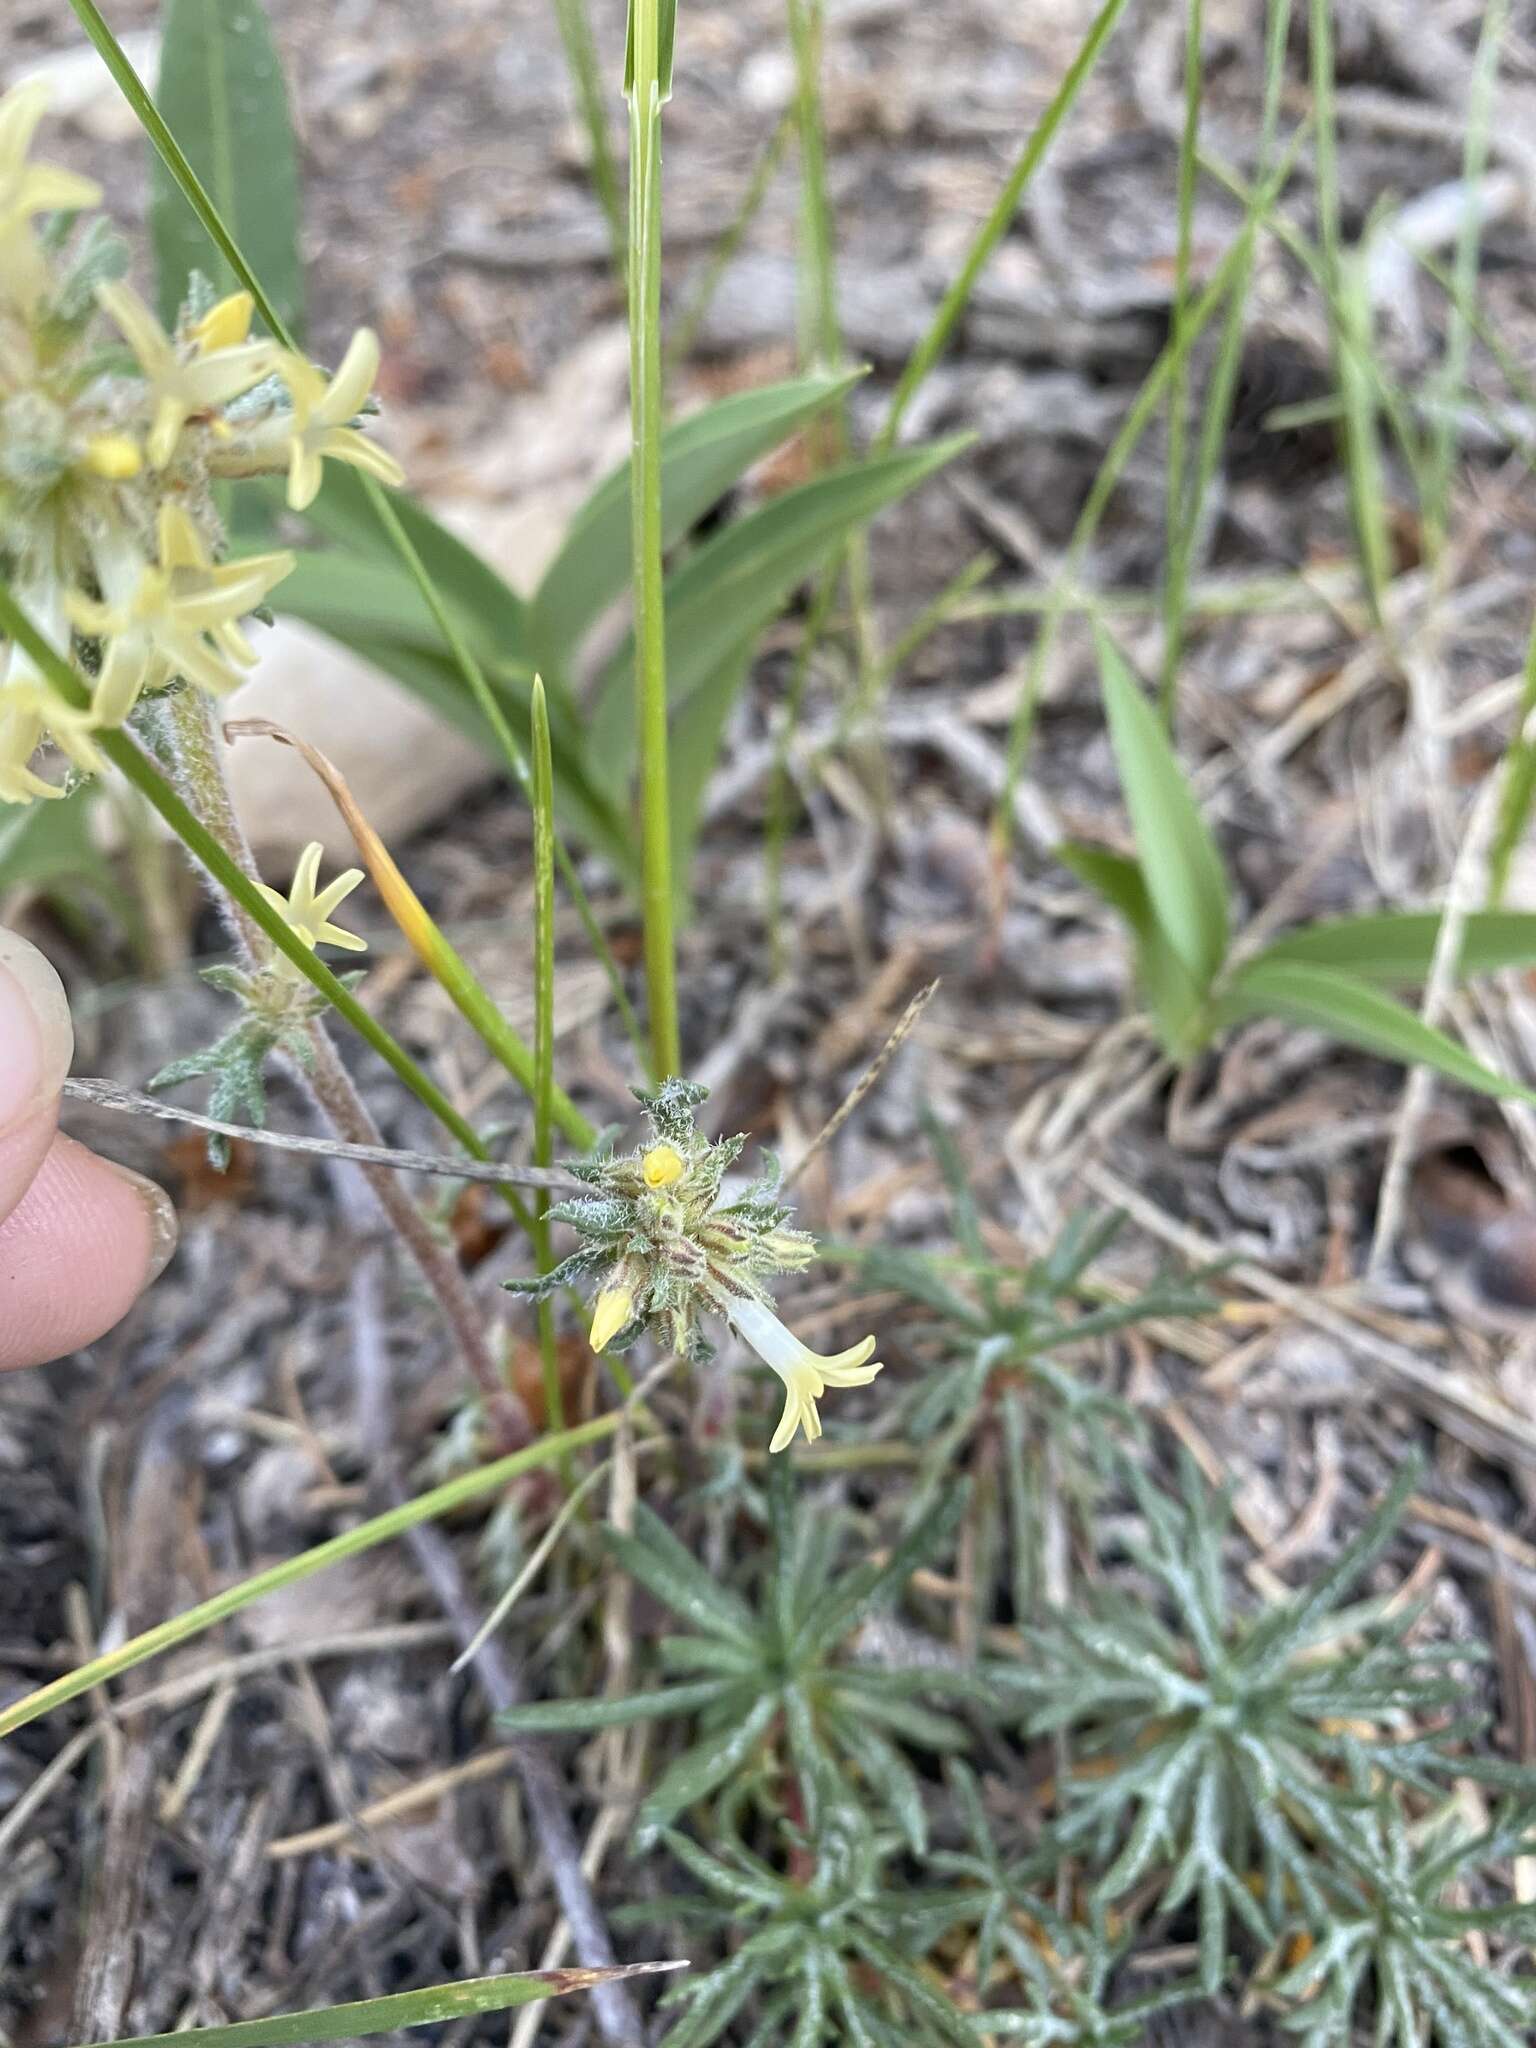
<point x="544" y="1040"/>
<point x="196" y="194"/>
<point x="1349" y="317"/>
<point x="1519" y="788"/>
<point x="581" y="61"/>
<point x="648" y="81"/>
<point x="181" y="1628"/>
<point x="1185" y="536"/>
<point x="691" y="319"/>
<point x="821" y="340"/>
<point x="997" y="223"/>
<point x="1458" y="333"/>
<point x="1179" y="397"/>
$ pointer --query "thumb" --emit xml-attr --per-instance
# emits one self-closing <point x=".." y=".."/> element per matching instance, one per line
<point x="37" y="1044"/>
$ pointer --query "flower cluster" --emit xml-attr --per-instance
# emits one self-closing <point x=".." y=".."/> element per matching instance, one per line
<point x="113" y="433"/>
<point x="671" y="1251"/>
<point x="277" y="1003"/>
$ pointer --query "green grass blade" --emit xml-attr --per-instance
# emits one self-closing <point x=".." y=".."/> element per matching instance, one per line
<point x="181" y="1628"/>
<point x="1323" y="999"/>
<point x="1519" y="788"/>
<point x="435" y="2005"/>
<point x="696" y="735"/>
<point x="1450" y="383"/>
<point x="171" y="154"/>
<point x="1066" y="592"/>
<point x="997" y="223"/>
<point x="1184" y="878"/>
<point x="686" y="328"/>
<point x="647" y="81"/>
<point x="221" y="93"/>
<point x="1394" y="948"/>
<point x="1178" y="511"/>
<point x="701" y="457"/>
<point x="1186" y="537"/>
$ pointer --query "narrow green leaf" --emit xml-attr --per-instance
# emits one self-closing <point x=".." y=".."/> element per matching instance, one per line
<point x="696" y="737"/>
<point x="667" y="1568"/>
<point x="485" y="607"/>
<point x="47" y="846"/>
<point x="1394" y="948"/>
<point x="1166" y="984"/>
<point x="181" y="1628"/>
<point x="701" y="457"/>
<point x="1179" y="862"/>
<point x="721" y="600"/>
<point x="1354" y="1012"/>
<point x="222" y="95"/>
<point x="704" y="1767"/>
<point x="436" y="2004"/>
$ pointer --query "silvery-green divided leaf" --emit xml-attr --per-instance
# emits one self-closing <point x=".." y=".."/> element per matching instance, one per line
<point x="1180" y="866"/>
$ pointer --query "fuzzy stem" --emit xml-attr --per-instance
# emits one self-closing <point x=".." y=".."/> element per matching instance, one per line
<point x="198" y="770"/>
<point x="349" y="1117"/>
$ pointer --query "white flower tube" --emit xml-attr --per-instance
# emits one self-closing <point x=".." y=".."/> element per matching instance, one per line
<point x="805" y="1373"/>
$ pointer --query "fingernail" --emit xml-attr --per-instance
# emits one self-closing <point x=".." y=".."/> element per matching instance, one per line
<point x="164" y="1230"/>
<point x="36" y="1041"/>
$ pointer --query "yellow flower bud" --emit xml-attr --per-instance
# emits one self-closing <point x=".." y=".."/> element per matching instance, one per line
<point x="225" y="325"/>
<point x="662" y="1165"/>
<point x="114" y="456"/>
<point x="610" y="1312"/>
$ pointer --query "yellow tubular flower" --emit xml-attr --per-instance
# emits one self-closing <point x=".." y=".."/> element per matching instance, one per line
<point x="27" y="189"/>
<point x="319" y="423"/>
<point x="225" y="325"/>
<point x="30" y="713"/>
<point x="187" y="379"/>
<point x="308" y="910"/>
<point x="661" y="1166"/>
<point x="805" y="1373"/>
<point x="174" y="618"/>
<point x="610" y="1312"/>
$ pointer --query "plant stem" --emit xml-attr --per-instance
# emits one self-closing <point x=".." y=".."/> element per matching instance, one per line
<point x="544" y="1042"/>
<point x="349" y="1117"/>
<point x="646" y="87"/>
<point x="200" y="773"/>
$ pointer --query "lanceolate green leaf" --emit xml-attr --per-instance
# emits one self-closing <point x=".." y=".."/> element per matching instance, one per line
<point x="1326" y="1000"/>
<point x="1179" y="862"/>
<point x="1165" y="982"/>
<point x="1394" y="948"/>
<point x="696" y="736"/>
<point x="701" y="457"/>
<point x="436" y="2004"/>
<point x="719" y="601"/>
<point x="486" y="608"/>
<point x="222" y="94"/>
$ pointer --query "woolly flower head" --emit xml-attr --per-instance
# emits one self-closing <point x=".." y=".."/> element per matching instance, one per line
<point x="670" y="1251"/>
<point x="113" y="434"/>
